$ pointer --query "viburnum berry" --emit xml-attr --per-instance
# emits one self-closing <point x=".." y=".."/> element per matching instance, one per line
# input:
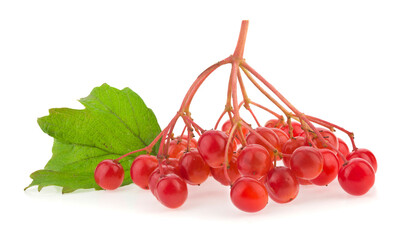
<point x="177" y="148"/>
<point x="212" y="145"/>
<point x="254" y="161"/>
<point x="330" y="168"/>
<point x="306" y="162"/>
<point x="193" y="168"/>
<point x="226" y="127"/>
<point x="141" y="169"/>
<point x="109" y="174"/>
<point x="297" y="129"/>
<point x="365" y="154"/>
<point x="343" y="149"/>
<point x="232" y="171"/>
<point x="328" y="136"/>
<point x="193" y="143"/>
<point x="274" y="123"/>
<point x="304" y="182"/>
<point x="290" y="146"/>
<point x="269" y="135"/>
<point x="155" y="176"/>
<point x="248" y="194"/>
<point x="174" y="163"/>
<point x="282" y="136"/>
<point x="281" y="184"/>
<point x="171" y="191"/>
<point x="357" y="176"/>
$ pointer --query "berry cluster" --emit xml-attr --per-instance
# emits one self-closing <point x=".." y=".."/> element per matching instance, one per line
<point x="258" y="163"/>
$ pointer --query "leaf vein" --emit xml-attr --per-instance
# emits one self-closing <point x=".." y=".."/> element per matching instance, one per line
<point x="122" y="121"/>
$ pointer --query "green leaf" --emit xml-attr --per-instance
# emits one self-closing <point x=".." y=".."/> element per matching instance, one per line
<point x="114" y="122"/>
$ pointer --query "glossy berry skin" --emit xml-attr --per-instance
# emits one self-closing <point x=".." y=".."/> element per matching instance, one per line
<point x="172" y="191"/>
<point x="357" y="176"/>
<point x="330" y="168"/>
<point x="329" y="137"/>
<point x="193" y="169"/>
<point x="174" y="163"/>
<point x="269" y="135"/>
<point x="343" y="149"/>
<point x="274" y="123"/>
<point x="211" y="146"/>
<point x="226" y="127"/>
<point x="365" y="154"/>
<point x="193" y="143"/>
<point x="282" y="136"/>
<point x="297" y="129"/>
<point x="177" y="148"/>
<point x="249" y="195"/>
<point x="281" y="184"/>
<point x="232" y="170"/>
<point x="290" y="146"/>
<point x="254" y="161"/>
<point x="141" y="169"/>
<point x="306" y="163"/>
<point x="155" y="176"/>
<point x="304" y="182"/>
<point x="109" y="174"/>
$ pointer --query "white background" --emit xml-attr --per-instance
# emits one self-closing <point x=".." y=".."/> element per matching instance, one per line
<point x="339" y="60"/>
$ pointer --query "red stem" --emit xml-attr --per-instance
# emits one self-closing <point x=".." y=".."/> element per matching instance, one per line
<point x="331" y="125"/>
<point x="267" y="110"/>
<point x="218" y="121"/>
<point x="198" y="82"/>
<point x="289" y="105"/>
<point x="127" y="154"/>
<point x="261" y="138"/>
<point x="239" y="50"/>
<point x="226" y="160"/>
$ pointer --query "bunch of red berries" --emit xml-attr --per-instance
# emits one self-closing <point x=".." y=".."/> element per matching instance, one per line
<point x="258" y="163"/>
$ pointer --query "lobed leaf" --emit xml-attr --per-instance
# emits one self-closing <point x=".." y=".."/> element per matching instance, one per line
<point x="114" y="122"/>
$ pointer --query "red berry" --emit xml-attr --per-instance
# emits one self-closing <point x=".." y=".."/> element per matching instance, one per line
<point x="290" y="146"/>
<point x="330" y="168"/>
<point x="254" y="161"/>
<point x="193" y="143"/>
<point x="177" y="148"/>
<point x="357" y="176"/>
<point x="306" y="162"/>
<point x="281" y="184"/>
<point x="328" y="136"/>
<point x="193" y="169"/>
<point x="266" y="133"/>
<point x="297" y="129"/>
<point x="156" y="175"/>
<point x="109" y="174"/>
<point x="172" y="191"/>
<point x="304" y="181"/>
<point x="141" y="169"/>
<point x="274" y="123"/>
<point x="282" y="136"/>
<point x="248" y="194"/>
<point x="232" y="170"/>
<point x="227" y="128"/>
<point x="174" y="163"/>
<point x="343" y="147"/>
<point x="211" y="146"/>
<point x="365" y="154"/>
